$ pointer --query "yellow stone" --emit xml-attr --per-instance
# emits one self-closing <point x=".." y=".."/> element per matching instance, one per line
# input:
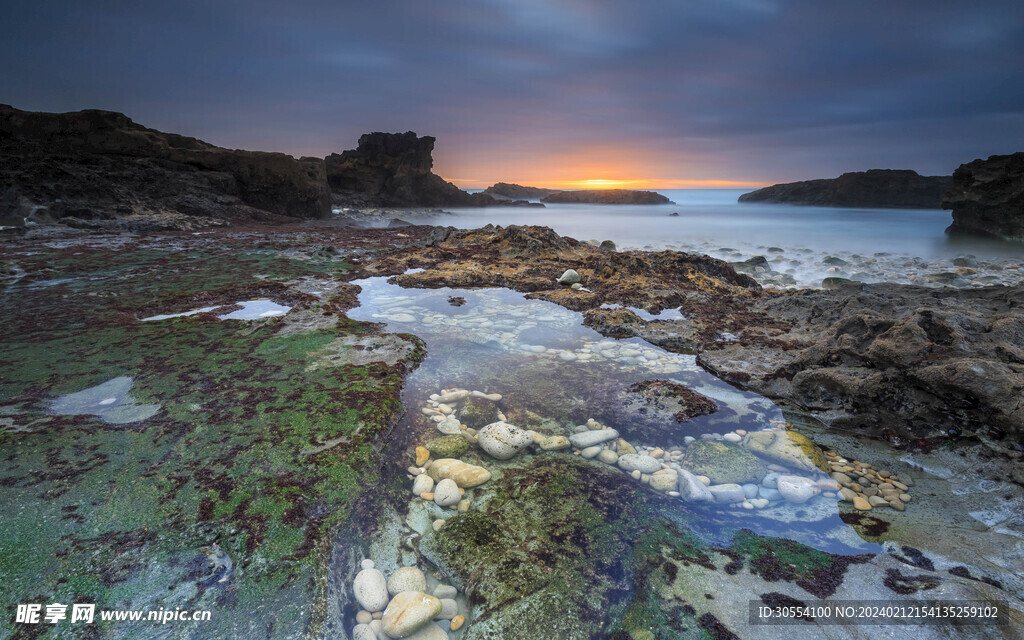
<point x="861" y="503"/>
<point x="457" y="622"/>
<point x="427" y="495"/>
<point x="422" y="455"/>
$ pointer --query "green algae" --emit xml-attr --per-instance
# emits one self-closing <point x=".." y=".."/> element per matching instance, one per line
<point x="118" y="515"/>
<point x="723" y="462"/>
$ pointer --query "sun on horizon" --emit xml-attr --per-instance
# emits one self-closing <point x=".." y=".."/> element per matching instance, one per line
<point x="609" y="183"/>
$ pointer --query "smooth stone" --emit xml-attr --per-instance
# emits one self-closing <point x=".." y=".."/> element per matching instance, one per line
<point x="636" y="475"/>
<point x="638" y="462"/>
<point x="407" y="579"/>
<point x="422" y="484"/>
<point x="769" y="494"/>
<point x="464" y="504"/>
<point x="502" y="440"/>
<point x="366" y="564"/>
<point x="422" y="455"/>
<point x="371" y="590"/>
<point x="590" y="438"/>
<point x="896" y="504"/>
<point x="770" y="480"/>
<point x="664" y="480"/>
<point x="555" y="443"/>
<point x="608" y="456"/>
<point x="445" y="592"/>
<point x="449" y="609"/>
<point x="848" y="494"/>
<point x="842" y="478"/>
<point x="457" y="622"/>
<point x="465" y="475"/>
<point x="877" y="501"/>
<point x="622" y="447"/>
<point x="797" y="489"/>
<point x="591" y="452"/>
<point x="439" y="524"/>
<point x="362" y="631"/>
<point x="750" y="490"/>
<point x="432" y="631"/>
<point x="569" y="277"/>
<point x="790" y="448"/>
<point x="453" y="396"/>
<point x="446" y="493"/>
<point x="576" y="286"/>
<point x="905" y="497"/>
<point x="861" y="503"/>
<point x="364" y="617"/>
<point x="449" y="426"/>
<point x="727" y="493"/>
<point x="732" y="437"/>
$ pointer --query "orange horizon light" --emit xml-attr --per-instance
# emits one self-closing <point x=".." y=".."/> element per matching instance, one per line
<point x="608" y="183"/>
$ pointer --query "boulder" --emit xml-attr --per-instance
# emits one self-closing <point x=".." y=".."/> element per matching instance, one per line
<point x="592" y="438"/>
<point x="691" y="489"/>
<point x="447" y="493"/>
<point x="788" y="448"/>
<point x="987" y="198"/>
<point x="408" y="612"/>
<point x="450" y="446"/>
<point x="406" y="579"/>
<point x="607" y="196"/>
<point x="502" y="440"/>
<point x="797" y="489"/>
<point x="465" y="475"/>
<point x="727" y="493"/>
<point x="723" y="462"/>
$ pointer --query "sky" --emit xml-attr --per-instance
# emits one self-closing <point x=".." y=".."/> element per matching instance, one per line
<point x="673" y="94"/>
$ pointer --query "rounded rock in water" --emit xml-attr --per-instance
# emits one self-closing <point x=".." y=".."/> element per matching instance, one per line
<point x="465" y="475"/>
<point x="422" y="484"/>
<point x="407" y="579"/>
<point x="446" y="493"/>
<point x="408" y="612"/>
<point x="569" y="277"/>
<point x="638" y="462"/>
<point x="502" y="440"/>
<point x="797" y="489"/>
<point x="371" y="590"/>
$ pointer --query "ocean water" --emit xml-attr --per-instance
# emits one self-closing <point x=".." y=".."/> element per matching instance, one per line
<point x="897" y="245"/>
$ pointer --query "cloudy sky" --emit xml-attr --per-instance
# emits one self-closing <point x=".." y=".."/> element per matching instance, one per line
<point x="673" y="93"/>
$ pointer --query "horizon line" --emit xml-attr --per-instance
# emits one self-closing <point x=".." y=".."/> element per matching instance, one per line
<point x="604" y="184"/>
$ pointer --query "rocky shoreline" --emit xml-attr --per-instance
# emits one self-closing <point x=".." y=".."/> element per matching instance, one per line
<point x="295" y="466"/>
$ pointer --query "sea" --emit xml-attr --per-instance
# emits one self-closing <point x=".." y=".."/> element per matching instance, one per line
<point x="805" y="243"/>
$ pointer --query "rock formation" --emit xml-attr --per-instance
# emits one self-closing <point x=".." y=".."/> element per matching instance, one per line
<point x="95" y="168"/>
<point x="987" y="197"/>
<point x="608" y="196"/>
<point x="875" y="188"/>
<point x="504" y="190"/>
<point x="394" y="170"/>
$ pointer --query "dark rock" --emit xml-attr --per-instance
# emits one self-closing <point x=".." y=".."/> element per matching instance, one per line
<point x="607" y="196"/>
<point x="398" y="222"/>
<point x="875" y="188"/>
<point x="507" y="191"/>
<point x="607" y="245"/>
<point x="987" y="198"/>
<point x="94" y="167"/>
<point x="879" y="356"/>
<point x="674" y="213"/>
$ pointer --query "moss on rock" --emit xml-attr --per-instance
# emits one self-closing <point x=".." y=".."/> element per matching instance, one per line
<point x="451" y="446"/>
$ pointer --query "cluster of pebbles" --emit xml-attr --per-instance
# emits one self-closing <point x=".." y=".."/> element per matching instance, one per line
<point x="867" y="487"/>
<point x="400" y="607"/>
<point x="783" y="474"/>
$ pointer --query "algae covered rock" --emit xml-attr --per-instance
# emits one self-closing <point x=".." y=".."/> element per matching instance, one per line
<point x="477" y="412"/>
<point x="789" y="448"/>
<point x="723" y="462"/>
<point x="451" y="446"/>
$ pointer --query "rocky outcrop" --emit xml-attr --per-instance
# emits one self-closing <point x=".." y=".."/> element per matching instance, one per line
<point x="394" y="170"/>
<point x="506" y="191"/>
<point x="98" y="168"/>
<point x="987" y="197"/>
<point x="875" y="188"/>
<point x="888" y="359"/>
<point x="607" y="196"/>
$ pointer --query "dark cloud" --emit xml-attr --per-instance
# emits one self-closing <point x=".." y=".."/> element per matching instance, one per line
<point x="737" y="89"/>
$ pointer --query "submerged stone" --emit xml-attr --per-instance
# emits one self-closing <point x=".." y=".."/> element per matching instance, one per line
<point x="789" y="448"/>
<point x="723" y="462"/>
<point x="451" y="446"/>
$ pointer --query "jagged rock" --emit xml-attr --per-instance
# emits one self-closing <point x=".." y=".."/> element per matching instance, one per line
<point x="96" y="167"/>
<point x="987" y="197"/>
<point x="877" y="188"/>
